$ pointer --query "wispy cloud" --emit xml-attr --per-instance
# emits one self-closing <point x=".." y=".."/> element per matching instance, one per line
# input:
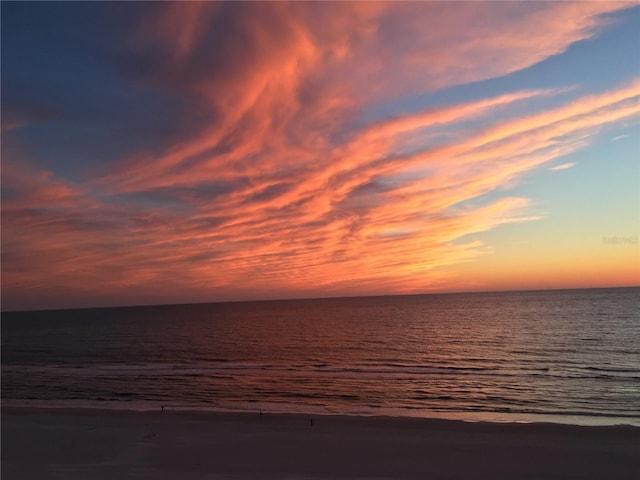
<point x="563" y="166"/>
<point x="286" y="187"/>
<point x="619" y="137"/>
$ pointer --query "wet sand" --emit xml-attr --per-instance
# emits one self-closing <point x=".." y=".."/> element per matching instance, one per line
<point x="100" y="444"/>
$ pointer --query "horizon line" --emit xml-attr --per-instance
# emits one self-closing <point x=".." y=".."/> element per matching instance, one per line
<point x="263" y="300"/>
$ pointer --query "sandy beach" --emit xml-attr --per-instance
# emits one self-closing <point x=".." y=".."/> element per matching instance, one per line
<point x="98" y="444"/>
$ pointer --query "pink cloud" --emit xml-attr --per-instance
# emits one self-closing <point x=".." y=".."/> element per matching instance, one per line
<point x="287" y="189"/>
<point x="279" y="75"/>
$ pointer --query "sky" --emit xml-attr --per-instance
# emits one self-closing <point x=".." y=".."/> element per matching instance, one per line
<point x="160" y="152"/>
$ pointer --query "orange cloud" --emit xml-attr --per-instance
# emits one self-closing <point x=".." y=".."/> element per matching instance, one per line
<point x="288" y="188"/>
<point x="279" y="75"/>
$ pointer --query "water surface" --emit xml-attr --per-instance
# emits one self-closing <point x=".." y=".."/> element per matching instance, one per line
<point x="571" y="356"/>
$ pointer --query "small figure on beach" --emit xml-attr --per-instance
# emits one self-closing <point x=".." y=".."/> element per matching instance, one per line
<point x="311" y="422"/>
<point x="260" y="413"/>
<point x="162" y="408"/>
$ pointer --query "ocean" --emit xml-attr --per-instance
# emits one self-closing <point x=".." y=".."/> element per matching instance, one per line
<point x="568" y="356"/>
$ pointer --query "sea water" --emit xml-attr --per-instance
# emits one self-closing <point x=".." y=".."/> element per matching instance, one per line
<point x="569" y="356"/>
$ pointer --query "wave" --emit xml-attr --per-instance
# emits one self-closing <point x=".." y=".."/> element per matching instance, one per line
<point x="365" y="369"/>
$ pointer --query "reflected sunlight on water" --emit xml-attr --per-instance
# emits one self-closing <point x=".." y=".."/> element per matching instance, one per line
<point x="522" y="356"/>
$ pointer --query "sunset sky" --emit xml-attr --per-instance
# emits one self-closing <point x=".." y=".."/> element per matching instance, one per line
<point x="194" y="152"/>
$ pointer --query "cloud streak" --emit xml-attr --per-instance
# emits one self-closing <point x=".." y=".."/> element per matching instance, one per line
<point x="563" y="166"/>
<point x="287" y="188"/>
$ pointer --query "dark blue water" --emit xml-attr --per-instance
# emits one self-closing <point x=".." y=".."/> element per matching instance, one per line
<point x="570" y="356"/>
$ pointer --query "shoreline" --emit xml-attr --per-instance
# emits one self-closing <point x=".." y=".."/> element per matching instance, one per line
<point x="571" y="419"/>
<point x="263" y="414"/>
<point x="92" y="443"/>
